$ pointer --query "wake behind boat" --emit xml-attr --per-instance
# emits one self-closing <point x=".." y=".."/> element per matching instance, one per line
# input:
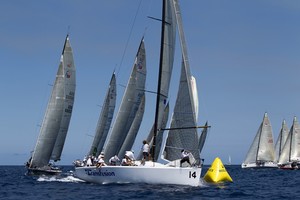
<point x="56" y="121"/>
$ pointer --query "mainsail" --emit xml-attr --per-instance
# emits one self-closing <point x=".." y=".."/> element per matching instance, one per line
<point x="133" y="95"/>
<point x="105" y="118"/>
<point x="284" y="132"/>
<point x="185" y="113"/>
<point x="262" y="148"/>
<point x="291" y="150"/>
<point x="58" y="114"/>
<point x="167" y="51"/>
<point x="132" y="133"/>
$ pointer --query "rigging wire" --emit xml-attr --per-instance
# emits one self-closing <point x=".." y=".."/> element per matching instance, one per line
<point x="130" y="33"/>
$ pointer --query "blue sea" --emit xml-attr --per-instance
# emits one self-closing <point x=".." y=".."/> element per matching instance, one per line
<point x="247" y="184"/>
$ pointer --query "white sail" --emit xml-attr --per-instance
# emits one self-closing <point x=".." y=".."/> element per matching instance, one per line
<point x="58" y="113"/>
<point x="295" y="143"/>
<point x="262" y="150"/>
<point x="195" y="96"/>
<point x="69" y="91"/>
<point x="184" y="114"/>
<point x="284" y="131"/>
<point x="131" y="101"/>
<point x="291" y="150"/>
<point x="105" y="118"/>
<point x="132" y="133"/>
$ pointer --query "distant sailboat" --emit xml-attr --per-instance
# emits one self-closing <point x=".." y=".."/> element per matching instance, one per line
<point x="56" y="121"/>
<point x="290" y="155"/>
<point x="284" y="131"/>
<point x="105" y="118"/>
<point x="229" y="160"/>
<point x="261" y="153"/>
<point x="151" y="171"/>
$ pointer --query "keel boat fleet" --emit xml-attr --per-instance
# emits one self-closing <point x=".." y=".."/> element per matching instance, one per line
<point x="285" y="154"/>
<point x="164" y="164"/>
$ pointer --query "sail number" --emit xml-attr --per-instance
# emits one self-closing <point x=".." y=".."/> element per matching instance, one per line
<point x="192" y="174"/>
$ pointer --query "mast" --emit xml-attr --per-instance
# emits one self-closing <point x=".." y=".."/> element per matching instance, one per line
<point x="159" y="79"/>
<point x="259" y="141"/>
<point x="291" y="142"/>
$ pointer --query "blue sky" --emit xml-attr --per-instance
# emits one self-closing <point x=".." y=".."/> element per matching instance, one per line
<point x="245" y="56"/>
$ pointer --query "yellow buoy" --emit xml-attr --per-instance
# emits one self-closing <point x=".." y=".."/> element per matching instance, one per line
<point x="217" y="173"/>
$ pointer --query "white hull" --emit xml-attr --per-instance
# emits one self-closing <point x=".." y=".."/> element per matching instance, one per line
<point x="260" y="165"/>
<point x="152" y="173"/>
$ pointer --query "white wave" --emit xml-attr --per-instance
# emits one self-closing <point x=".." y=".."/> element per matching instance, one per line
<point x="70" y="179"/>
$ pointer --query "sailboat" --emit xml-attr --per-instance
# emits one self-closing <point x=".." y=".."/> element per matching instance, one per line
<point x="105" y="118"/>
<point x="104" y="122"/>
<point x="290" y="155"/>
<point x="152" y="171"/>
<point x="261" y="153"/>
<point x="56" y="120"/>
<point x="284" y="131"/>
<point x="229" y="160"/>
<point x="130" y="114"/>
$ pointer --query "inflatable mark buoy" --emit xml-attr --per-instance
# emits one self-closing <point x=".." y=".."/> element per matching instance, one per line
<point x="217" y="173"/>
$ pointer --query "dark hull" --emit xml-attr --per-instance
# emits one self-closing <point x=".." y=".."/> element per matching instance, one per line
<point x="46" y="172"/>
<point x="289" y="167"/>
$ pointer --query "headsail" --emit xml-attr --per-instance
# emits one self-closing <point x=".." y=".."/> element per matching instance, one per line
<point x="105" y="118"/>
<point x="185" y="113"/>
<point x="284" y="131"/>
<point x="266" y="151"/>
<point x="291" y="150"/>
<point x="133" y="95"/>
<point x="58" y="113"/>
<point x="132" y="133"/>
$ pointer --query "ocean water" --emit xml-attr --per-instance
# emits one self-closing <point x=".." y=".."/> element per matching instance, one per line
<point x="247" y="184"/>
